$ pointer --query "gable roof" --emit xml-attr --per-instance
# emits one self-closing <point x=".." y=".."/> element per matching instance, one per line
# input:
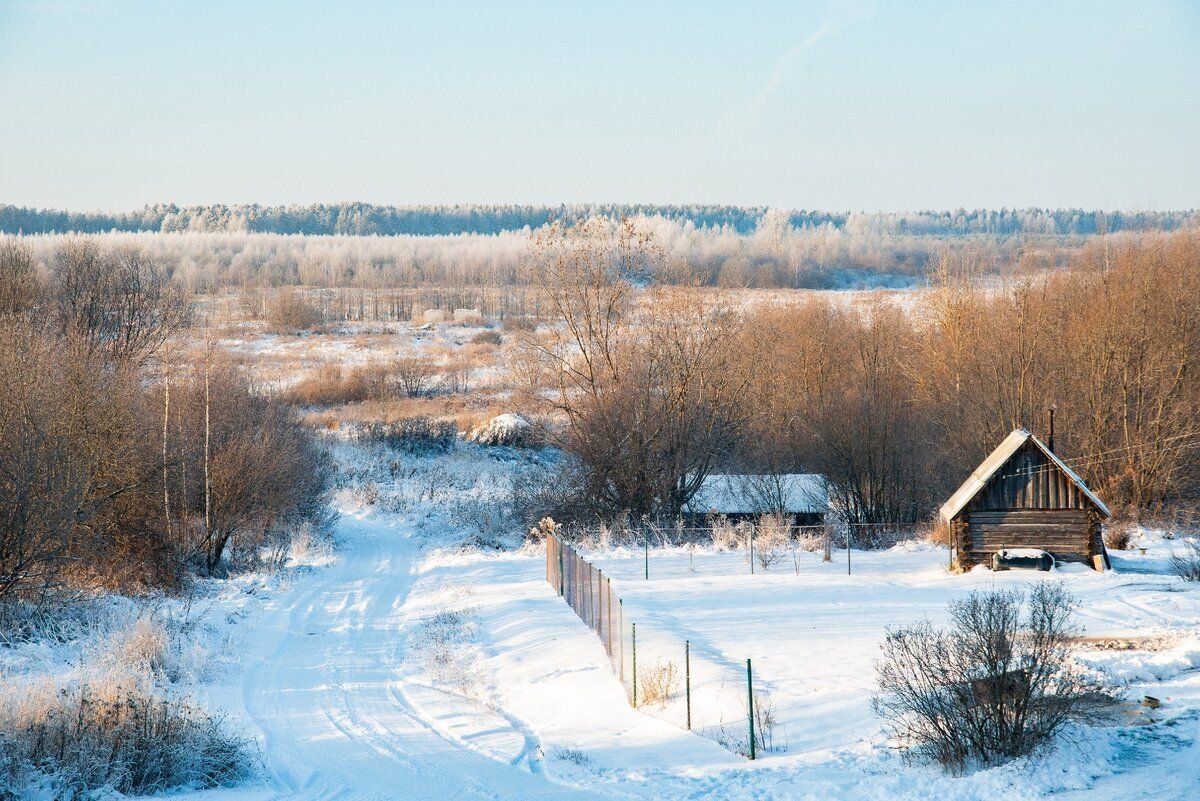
<point x="997" y="459"/>
<point x="751" y="495"/>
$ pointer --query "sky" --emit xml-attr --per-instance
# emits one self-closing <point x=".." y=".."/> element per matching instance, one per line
<point x="819" y="105"/>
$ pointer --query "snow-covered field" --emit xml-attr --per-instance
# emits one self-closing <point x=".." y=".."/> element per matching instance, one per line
<point x="813" y="637"/>
<point x="408" y="667"/>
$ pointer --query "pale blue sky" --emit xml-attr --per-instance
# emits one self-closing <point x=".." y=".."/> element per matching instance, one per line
<point x="890" y="105"/>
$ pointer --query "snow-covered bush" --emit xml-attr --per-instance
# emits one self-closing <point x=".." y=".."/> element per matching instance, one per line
<point x="546" y="527"/>
<point x="772" y="539"/>
<point x="726" y="535"/>
<point x="129" y="736"/>
<point x="995" y="686"/>
<point x="412" y="435"/>
<point x="510" y="430"/>
<point x="1186" y="563"/>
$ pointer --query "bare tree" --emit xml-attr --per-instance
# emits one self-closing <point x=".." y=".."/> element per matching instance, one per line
<point x="651" y="401"/>
<point x="20" y="287"/>
<point x="118" y="303"/>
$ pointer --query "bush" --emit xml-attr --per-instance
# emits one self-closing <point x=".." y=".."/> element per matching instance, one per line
<point x="771" y="539"/>
<point x="508" y="430"/>
<point x="1186" y="565"/>
<point x="289" y="312"/>
<point x="413" y="434"/>
<point x="520" y="322"/>
<point x="413" y="376"/>
<point x="1117" y="536"/>
<point x="487" y="338"/>
<point x="127" y="737"/>
<point x="726" y="535"/>
<point x="993" y="687"/>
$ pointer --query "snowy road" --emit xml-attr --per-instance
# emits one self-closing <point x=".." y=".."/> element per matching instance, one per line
<point x="326" y="694"/>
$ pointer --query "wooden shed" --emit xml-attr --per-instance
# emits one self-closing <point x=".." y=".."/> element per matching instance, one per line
<point x="1024" y="496"/>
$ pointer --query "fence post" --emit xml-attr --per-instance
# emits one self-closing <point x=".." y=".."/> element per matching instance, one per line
<point x="750" y="704"/>
<point x="646" y="545"/>
<point x="687" y="679"/>
<point x="634" y="627"/>
<point x="752" y="549"/>
<point x="599" y="601"/>
<point x="621" y="610"/>
<point x="849" y="531"/>
<point x="610" y="653"/>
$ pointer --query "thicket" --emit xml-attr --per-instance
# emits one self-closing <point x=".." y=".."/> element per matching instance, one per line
<point x="121" y="467"/>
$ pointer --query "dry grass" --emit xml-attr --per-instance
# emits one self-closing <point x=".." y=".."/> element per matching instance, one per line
<point x="658" y="683"/>
<point x="128" y="736"/>
<point x="120" y="724"/>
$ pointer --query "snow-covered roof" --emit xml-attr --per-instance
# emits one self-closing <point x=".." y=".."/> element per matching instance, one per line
<point x="997" y="459"/>
<point x="750" y="495"/>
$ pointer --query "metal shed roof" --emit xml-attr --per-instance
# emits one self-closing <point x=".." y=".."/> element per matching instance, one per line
<point x="749" y="495"/>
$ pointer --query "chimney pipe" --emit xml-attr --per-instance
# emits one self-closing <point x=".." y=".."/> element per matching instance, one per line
<point x="1050" y="439"/>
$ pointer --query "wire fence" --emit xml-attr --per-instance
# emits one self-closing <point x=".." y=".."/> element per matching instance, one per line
<point x="685" y="683"/>
<point x="767" y="543"/>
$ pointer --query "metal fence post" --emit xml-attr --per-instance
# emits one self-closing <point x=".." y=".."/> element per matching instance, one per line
<point x="621" y="611"/>
<point x="687" y="679"/>
<point x="752" y="549"/>
<point x="750" y="704"/>
<point x="633" y="626"/>
<point x="610" y="627"/>
<point x="646" y="545"/>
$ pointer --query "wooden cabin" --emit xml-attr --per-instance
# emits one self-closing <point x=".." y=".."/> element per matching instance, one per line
<point x="1024" y="496"/>
<point x="802" y="497"/>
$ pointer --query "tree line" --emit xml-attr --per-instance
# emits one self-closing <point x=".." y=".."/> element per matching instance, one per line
<point x="361" y="219"/>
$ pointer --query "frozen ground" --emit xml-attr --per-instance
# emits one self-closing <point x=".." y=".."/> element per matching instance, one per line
<point x="409" y="668"/>
<point x="410" y="672"/>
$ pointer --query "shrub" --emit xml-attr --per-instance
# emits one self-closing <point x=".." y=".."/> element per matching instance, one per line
<point x="726" y="535"/>
<point x="520" y="322"/>
<point x="487" y="337"/>
<point x="413" y="434"/>
<point x="771" y="539"/>
<point x="127" y="737"/>
<point x="413" y="375"/>
<point x="509" y="430"/>
<point x="1186" y="565"/>
<point x="658" y="683"/>
<point x="289" y="312"/>
<point x="993" y="687"/>
<point x="1117" y="536"/>
<point x="546" y="527"/>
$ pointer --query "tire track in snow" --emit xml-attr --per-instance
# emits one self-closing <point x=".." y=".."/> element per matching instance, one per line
<point x="330" y="704"/>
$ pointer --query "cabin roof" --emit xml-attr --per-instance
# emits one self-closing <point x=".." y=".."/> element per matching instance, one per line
<point x="997" y="459"/>
<point x="801" y="493"/>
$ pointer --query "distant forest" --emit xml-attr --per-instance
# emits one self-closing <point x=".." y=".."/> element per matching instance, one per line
<point x="364" y="219"/>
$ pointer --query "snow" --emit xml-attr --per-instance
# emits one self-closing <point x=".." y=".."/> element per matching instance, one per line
<point x="1021" y="553"/>
<point x="405" y="666"/>
<point x="503" y="429"/>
